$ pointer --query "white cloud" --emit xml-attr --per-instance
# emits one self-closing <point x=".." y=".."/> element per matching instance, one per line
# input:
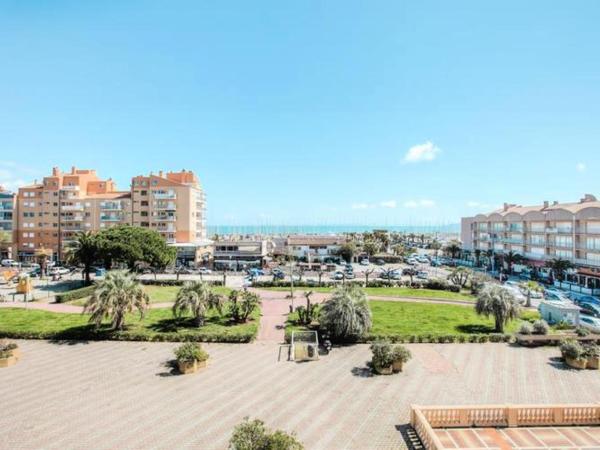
<point x="581" y="167"/>
<point x="419" y="203"/>
<point x="422" y="153"/>
<point x="360" y="206"/>
<point x="388" y="204"/>
<point x="10" y="175"/>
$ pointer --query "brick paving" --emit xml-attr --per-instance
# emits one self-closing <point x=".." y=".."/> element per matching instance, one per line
<point x="534" y="438"/>
<point x="120" y="395"/>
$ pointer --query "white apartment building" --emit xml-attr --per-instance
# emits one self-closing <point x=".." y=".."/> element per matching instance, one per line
<point x="540" y="233"/>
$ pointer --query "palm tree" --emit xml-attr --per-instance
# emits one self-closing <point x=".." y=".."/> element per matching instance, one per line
<point x="42" y="255"/>
<point x="499" y="303"/>
<point x="559" y="266"/>
<point x="83" y="250"/>
<point x="453" y="248"/>
<point x="477" y="254"/>
<point x="435" y="246"/>
<point x="5" y="241"/>
<point x="346" y="315"/>
<point x="196" y="297"/>
<point x="115" y="296"/>
<point x="512" y="258"/>
<point x="530" y="287"/>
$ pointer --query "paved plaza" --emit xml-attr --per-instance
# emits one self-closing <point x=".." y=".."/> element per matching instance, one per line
<point x="110" y="395"/>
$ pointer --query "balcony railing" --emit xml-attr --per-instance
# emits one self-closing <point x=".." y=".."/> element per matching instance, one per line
<point x="164" y="195"/>
<point x="72" y="218"/>
<point x="165" y="206"/>
<point x="111" y="206"/>
<point x="110" y="218"/>
<point x="164" y="218"/>
<point x="77" y="207"/>
<point x="587" y="262"/>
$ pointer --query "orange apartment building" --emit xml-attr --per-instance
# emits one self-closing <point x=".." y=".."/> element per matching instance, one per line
<point x="51" y="213"/>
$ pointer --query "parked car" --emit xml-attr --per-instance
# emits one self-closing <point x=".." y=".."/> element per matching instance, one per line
<point x="59" y="271"/>
<point x="423" y="259"/>
<point x="204" y="271"/>
<point x="422" y="275"/>
<point x="380" y="262"/>
<point x="583" y="298"/>
<point x="589" y="322"/>
<point x="7" y="262"/>
<point x="392" y="275"/>
<point x="338" y="275"/>
<point x="435" y="263"/>
<point x="278" y="275"/>
<point x="350" y="276"/>
<point x="255" y="272"/>
<point x="364" y="262"/>
<point x="412" y="261"/>
<point x="590" y="309"/>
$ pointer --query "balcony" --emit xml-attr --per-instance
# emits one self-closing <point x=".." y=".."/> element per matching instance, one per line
<point x="77" y="207"/>
<point x="164" y="218"/>
<point x="167" y="229"/>
<point x="108" y="218"/>
<point x="170" y="206"/>
<point x="164" y="195"/>
<point x="75" y="218"/>
<point x="587" y="262"/>
<point x="111" y="206"/>
<point x="534" y="256"/>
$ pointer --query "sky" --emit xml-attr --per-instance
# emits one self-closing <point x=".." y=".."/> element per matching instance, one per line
<point x="310" y="112"/>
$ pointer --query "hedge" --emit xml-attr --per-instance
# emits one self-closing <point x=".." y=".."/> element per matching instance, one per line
<point x="75" y="294"/>
<point x="151" y="282"/>
<point x="434" y="284"/>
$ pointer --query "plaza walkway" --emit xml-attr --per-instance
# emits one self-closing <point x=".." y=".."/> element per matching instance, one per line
<point x="107" y="395"/>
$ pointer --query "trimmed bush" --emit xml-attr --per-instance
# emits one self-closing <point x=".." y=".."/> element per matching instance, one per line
<point x="254" y="435"/>
<point x="582" y="332"/>
<point x="383" y="354"/>
<point x="571" y="349"/>
<point x="526" y="328"/>
<point x="150" y="282"/>
<point x="75" y="294"/>
<point x="190" y="352"/>
<point x="540" y="327"/>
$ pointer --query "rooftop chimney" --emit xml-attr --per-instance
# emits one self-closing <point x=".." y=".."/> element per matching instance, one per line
<point x="505" y="207"/>
<point x="55" y="171"/>
<point x="555" y="202"/>
<point x="160" y="173"/>
<point x="73" y="170"/>
<point x="546" y="204"/>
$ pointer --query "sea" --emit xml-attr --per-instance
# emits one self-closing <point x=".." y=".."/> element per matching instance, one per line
<point x="283" y="230"/>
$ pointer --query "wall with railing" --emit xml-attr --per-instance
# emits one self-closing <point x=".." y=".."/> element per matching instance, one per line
<point x="424" y="419"/>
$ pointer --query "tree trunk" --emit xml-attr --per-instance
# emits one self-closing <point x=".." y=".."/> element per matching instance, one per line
<point x="499" y="324"/>
<point x="528" y="303"/>
<point x="87" y="274"/>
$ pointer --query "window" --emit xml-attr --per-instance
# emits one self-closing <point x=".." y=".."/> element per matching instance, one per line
<point x="567" y="254"/>
<point x="537" y="239"/>
<point x="537" y="226"/>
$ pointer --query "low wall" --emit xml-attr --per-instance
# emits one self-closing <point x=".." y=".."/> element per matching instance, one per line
<point x="424" y="419"/>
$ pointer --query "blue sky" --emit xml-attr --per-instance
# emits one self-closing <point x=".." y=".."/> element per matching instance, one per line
<point x="305" y="111"/>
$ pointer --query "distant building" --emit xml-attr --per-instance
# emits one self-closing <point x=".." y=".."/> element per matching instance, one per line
<point x="51" y="213"/>
<point x="241" y="254"/>
<point x="7" y="213"/>
<point x="543" y="232"/>
<point x="314" y="248"/>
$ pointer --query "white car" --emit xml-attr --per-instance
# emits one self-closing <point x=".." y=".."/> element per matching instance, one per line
<point x="412" y="262"/>
<point x="59" y="271"/>
<point x="204" y="271"/>
<point x="589" y="322"/>
<point x="364" y="262"/>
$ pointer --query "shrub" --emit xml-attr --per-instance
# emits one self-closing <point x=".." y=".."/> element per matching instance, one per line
<point x="254" y="435"/>
<point x="383" y="354"/>
<point x="401" y="353"/>
<point x="529" y="316"/>
<point x="346" y="315"/>
<point x="526" y="328"/>
<point x="571" y="349"/>
<point x="582" y="332"/>
<point x="6" y="349"/>
<point x="540" y="327"/>
<point x="241" y="308"/>
<point x="151" y="282"/>
<point x="562" y="325"/>
<point x="591" y="351"/>
<point x="75" y="294"/>
<point x="437" y="284"/>
<point x="190" y="352"/>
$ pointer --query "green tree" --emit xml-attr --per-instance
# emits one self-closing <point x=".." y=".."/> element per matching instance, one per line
<point x="347" y="251"/>
<point x="435" y="246"/>
<point x="115" y="296"/>
<point x="5" y="242"/>
<point x="254" y="435"/>
<point x="132" y="245"/>
<point x="371" y="247"/>
<point x="497" y="302"/>
<point x="530" y="287"/>
<point x="460" y="276"/>
<point x="559" y="266"/>
<point x="83" y="251"/>
<point x="242" y="304"/>
<point x="453" y="248"/>
<point x="511" y="258"/>
<point x="346" y="315"/>
<point x="196" y="297"/>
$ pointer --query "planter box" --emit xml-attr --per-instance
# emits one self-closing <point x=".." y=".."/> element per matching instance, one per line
<point x="576" y="363"/>
<point x="384" y="370"/>
<point x="190" y="367"/>
<point x="397" y="366"/>
<point x="534" y="340"/>
<point x="593" y="362"/>
<point x="7" y="362"/>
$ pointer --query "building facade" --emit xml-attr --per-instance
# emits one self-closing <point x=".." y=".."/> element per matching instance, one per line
<point x="241" y="254"/>
<point x="7" y="213"/>
<point x="540" y="233"/>
<point x="51" y="213"/>
<point x="314" y="248"/>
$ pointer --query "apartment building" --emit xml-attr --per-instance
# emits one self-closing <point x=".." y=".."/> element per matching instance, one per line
<point x="51" y="213"/>
<point x="7" y="211"/>
<point x="539" y="233"/>
<point x="314" y="248"/>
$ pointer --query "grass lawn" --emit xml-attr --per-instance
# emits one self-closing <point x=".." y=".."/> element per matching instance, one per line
<point x="160" y="294"/>
<point x="394" y="292"/>
<point x="403" y="319"/>
<point x="158" y="325"/>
